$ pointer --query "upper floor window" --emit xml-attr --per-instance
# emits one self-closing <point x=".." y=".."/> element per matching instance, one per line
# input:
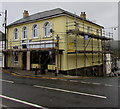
<point x="46" y="29"/>
<point x="35" y="31"/>
<point x="24" y="32"/>
<point x="15" y="33"/>
<point x="88" y="29"/>
<point x="97" y="31"/>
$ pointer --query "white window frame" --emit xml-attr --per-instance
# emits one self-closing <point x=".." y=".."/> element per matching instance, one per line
<point x="44" y="34"/>
<point x="14" y="32"/>
<point x="23" y="33"/>
<point x="33" y="30"/>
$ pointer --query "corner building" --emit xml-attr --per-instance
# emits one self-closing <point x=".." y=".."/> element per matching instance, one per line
<point x="55" y="40"/>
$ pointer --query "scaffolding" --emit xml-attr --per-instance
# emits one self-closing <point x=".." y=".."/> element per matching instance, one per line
<point x="39" y="46"/>
<point x="80" y="29"/>
<point x="52" y="45"/>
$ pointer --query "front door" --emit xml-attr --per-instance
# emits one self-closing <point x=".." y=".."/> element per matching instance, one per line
<point x="45" y="58"/>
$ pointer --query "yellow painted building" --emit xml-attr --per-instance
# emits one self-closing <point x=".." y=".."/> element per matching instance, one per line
<point x="54" y="40"/>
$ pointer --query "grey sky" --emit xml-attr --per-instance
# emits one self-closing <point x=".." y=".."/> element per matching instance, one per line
<point x="103" y="13"/>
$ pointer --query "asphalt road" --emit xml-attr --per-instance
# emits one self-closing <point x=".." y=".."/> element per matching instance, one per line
<point x="48" y="93"/>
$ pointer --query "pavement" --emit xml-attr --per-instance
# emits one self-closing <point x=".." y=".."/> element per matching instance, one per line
<point x="47" y="75"/>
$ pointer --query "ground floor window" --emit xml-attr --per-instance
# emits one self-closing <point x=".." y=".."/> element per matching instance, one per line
<point x="15" y="55"/>
<point x="44" y="58"/>
<point x="35" y="58"/>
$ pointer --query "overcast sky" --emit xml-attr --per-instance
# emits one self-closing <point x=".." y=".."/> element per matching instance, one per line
<point x="103" y="13"/>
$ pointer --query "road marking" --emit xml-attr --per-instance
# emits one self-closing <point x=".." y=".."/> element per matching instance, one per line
<point x="108" y="85"/>
<point x="86" y="94"/>
<point x="7" y="81"/>
<point x="96" y="83"/>
<point x="73" y="81"/>
<point x="84" y="82"/>
<point x="54" y="78"/>
<point x="21" y="101"/>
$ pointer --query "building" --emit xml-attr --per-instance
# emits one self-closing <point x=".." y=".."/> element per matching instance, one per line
<point x="116" y="53"/>
<point x="2" y="42"/>
<point x="55" y="40"/>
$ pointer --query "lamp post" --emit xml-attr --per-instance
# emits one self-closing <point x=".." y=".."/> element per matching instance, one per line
<point x="57" y="52"/>
<point x="5" y="28"/>
<point x="109" y="57"/>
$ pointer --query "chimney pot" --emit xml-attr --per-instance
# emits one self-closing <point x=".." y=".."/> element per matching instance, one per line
<point x="25" y="13"/>
<point x="83" y="15"/>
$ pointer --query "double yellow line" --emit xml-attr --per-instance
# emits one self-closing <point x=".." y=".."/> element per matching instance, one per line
<point x="14" y="74"/>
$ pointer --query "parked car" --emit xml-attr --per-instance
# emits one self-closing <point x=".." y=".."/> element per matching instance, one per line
<point x="118" y="72"/>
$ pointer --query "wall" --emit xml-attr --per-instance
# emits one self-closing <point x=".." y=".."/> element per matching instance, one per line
<point x="57" y="24"/>
<point x="70" y="61"/>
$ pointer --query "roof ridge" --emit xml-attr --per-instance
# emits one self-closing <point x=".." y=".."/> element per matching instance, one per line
<point x="46" y="14"/>
<point x="47" y="11"/>
<point x="36" y="14"/>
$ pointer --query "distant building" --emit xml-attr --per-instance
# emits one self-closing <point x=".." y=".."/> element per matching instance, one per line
<point x="55" y="40"/>
<point x="115" y="47"/>
<point x="2" y="42"/>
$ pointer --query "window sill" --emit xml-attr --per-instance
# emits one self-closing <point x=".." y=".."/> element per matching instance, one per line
<point x="24" y="39"/>
<point x="34" y="37"/>
<point x="47" y="36"/>
<point x="15" y="39"/>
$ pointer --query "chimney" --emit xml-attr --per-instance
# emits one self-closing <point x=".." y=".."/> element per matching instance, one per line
<point x="25" y="13"/>
<point x="83" y="15"/>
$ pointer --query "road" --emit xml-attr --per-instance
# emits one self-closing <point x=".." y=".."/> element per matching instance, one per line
<point x="47" y="93"/>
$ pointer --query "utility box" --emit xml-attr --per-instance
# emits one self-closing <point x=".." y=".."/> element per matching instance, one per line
<point x="108" y="63"/>
<point x="51" y="67"/>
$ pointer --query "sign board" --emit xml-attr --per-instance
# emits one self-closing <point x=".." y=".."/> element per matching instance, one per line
<point x="86" y="37"/>
<point x="51" y="67"/>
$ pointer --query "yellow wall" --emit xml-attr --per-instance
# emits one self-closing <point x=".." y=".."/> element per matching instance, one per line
<point x="56" y="23"/>
<point x="65" y="43"/>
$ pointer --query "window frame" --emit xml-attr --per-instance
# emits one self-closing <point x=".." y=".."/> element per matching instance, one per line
<point x="33" y="31"/>
<point x="44" y="29"/>
<point x="15" y="32"/>
<point x="24" y="34"/>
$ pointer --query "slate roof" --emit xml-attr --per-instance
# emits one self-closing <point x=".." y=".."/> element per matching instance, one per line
<point x="47" y="14"/>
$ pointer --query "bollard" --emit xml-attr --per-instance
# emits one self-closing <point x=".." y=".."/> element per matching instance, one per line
<point x="36" y="71"/>
<point x="56" y="72"/>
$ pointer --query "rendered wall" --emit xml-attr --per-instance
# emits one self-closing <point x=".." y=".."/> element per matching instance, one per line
<point x="68" y="61"/>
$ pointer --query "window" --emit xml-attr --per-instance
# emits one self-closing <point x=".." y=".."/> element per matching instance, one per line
<point x="88" y="29"/>
<point x="24" y="32"/>
<point x="15" y="57"/>
<point x="97" y="31"/>
<point x="35" y="31"/>
<point x="47" y="29"/>
<point x="15" y="33"/>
